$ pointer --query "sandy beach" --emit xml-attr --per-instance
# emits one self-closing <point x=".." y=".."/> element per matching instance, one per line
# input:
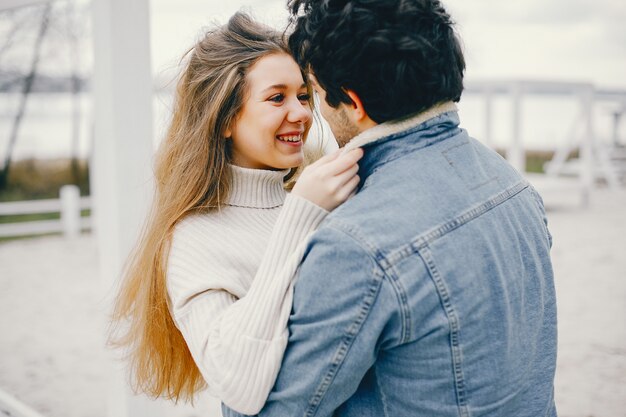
<point x="53" y="305"/>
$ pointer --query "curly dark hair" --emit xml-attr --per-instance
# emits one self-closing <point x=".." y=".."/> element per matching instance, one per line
<point x="399" y="56"/>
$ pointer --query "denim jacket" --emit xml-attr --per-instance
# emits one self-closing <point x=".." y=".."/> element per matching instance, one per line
<point x="429" y="293"/>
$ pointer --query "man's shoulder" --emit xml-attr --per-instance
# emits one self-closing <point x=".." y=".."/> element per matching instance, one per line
<point x="418" y="192"/>
<point x="343" y="236"/>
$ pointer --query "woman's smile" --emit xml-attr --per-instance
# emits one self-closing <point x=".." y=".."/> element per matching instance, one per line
<point x="271" y="127"/>
<point x="291" y="138"/>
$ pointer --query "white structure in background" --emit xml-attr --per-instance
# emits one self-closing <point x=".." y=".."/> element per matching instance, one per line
<point x="607" y="160"/>
<point x="122" y="157"/>
<point x="595" y="158"/>
<point x="69" y="206"/>
<point x="121" y="174"/>
<point x="14" y="4"/>
<point x="11" y="406"/>
<point x="70" y="210"/>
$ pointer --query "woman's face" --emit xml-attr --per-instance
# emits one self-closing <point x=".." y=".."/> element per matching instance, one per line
<point x="271" y="127"/>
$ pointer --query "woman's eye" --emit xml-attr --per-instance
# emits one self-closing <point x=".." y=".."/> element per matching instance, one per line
<point x="304" y="97"/>
<point x="278" y="98"/>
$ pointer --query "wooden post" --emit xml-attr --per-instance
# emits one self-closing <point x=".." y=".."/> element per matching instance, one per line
<point x="488" y="139"/>
<point x="70" y="210"/>
<point x="515" y="153"/>
<point x="587" y="176"/>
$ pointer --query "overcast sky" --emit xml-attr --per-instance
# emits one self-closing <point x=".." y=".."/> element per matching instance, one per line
<point x="572" y="40"/>
<point x="582" y="40"/>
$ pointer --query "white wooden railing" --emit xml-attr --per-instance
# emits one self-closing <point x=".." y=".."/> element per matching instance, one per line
<point x="593" y="162"/>
<point x="12" y="407"/>
<point x="69" y="205"/>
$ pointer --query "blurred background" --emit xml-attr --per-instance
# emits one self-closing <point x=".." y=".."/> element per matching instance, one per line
<point x="545" y="87"/>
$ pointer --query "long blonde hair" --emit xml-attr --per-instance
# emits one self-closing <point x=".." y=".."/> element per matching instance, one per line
<point x="192" y="175"/>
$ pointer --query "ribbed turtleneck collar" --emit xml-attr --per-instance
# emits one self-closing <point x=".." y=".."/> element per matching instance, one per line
<point x="256" y="188"/>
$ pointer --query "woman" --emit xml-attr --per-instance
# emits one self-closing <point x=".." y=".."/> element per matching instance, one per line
<point x="206" y="295"/>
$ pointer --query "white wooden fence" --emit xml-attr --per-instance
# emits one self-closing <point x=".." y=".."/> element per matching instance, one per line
<point x="12" y="407"/>
<point x="594" y="161"/>
<point x="69" y="205"/>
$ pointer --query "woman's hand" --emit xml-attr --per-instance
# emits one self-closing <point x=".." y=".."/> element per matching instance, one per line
<point x="330" y="180"/>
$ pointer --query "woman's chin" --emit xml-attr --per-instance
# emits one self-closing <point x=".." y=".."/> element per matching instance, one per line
<point x="292" y="162"/>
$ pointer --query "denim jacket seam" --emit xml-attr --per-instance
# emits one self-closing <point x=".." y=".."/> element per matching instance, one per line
<point x="454" y="326"/>
<point x="354" y="234"/>
<point x="541" y="211"/>
<point x="474" y="212"/>
<point x="466" y="142"/>
<point x="420" y="245"/>
<point x="351" y="332"/>
<point x="444" y="228"/>
<point x="403" y="303"/>
<point x="386" y="266"/>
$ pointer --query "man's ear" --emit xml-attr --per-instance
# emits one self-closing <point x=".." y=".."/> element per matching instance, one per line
<point x="357" y="112"/>
<point x="357" y="105"/>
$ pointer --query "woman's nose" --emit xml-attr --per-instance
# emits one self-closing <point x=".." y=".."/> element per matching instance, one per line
<point x="299" y="112"/>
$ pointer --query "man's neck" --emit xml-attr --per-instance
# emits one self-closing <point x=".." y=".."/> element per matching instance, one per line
<point x="399" y="125"/>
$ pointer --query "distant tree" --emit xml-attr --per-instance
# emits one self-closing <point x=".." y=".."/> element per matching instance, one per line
<point x="26" y="89"/>
<point x="56" y="67"/>
<point x="75" y="31"/>
<point x="14" y="31"/>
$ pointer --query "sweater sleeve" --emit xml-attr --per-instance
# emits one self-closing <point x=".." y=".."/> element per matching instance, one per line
<point x="238" y="344"/>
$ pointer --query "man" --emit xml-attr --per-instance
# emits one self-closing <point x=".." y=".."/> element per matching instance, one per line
<point x="430" y="292"/>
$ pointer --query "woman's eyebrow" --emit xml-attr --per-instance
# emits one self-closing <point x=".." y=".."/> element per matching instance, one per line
<point x="275" y="87"/>
<point x="280" y="87"/>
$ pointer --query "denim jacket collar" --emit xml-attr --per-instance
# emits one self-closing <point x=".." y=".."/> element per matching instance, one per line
<point x="380" y="142"/>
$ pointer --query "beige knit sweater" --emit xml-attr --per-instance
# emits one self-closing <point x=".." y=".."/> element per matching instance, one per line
<point x="229" y="282"/>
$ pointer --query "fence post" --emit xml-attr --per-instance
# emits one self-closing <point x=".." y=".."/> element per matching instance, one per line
<point x="587" y="174"/>
<point x="489" y="117"/>
<point x="516" y="154"/>
<point x="70" y="210"/>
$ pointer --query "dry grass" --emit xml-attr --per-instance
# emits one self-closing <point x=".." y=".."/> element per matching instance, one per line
<point x="34" y="179"/>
